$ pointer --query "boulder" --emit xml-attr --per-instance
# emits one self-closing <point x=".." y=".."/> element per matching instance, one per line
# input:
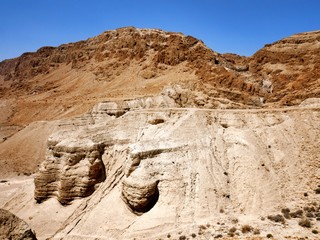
<point x="12" y="227"/>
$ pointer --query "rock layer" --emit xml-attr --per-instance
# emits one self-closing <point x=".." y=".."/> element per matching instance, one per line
<point x="72" y="169"/>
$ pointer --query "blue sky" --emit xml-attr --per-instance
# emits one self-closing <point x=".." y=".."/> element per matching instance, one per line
<point x="237" y="26"/>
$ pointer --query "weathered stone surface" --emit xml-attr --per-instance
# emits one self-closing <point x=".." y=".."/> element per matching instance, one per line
<point x="118" y="108"/>
<point x="140" y="186"/>
<point x="12" y="227"/>
<point x="140" y="196"/>
<point x="72" y="169"/>
<point x="178" y="158"/>
<point x="198" y="166"/>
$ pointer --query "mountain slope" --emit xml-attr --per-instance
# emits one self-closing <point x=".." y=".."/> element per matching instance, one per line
<point x="65" y="81"/>
<point x="147" y="134"/>
<point x="236" y="168"/>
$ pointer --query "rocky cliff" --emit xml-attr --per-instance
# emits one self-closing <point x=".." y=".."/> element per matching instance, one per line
<point x="132" y="62"/>
<point x="72" y="168"/>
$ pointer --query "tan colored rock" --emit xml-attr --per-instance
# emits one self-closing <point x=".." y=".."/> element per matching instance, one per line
<point x="12" y="227"/>
<point x="71" y="170"/>
<point x="172" y="176"/>
<point x="140" y="196"/>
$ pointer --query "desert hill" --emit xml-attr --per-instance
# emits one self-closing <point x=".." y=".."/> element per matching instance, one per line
<point x="146" y="134"/>
<point x="67" y="80"/>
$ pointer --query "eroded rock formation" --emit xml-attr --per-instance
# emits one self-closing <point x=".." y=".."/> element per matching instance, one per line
<point x="141" y="195"/>
<point x="72" y="169"/>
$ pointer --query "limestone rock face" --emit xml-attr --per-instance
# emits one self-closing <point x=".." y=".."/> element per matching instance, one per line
<point x="12" y="227"/>
<point x="168" y="146"/>
<point x="171" y="169"/>
<point x="140" y="196"/>
<point x="71" y="169"/>
<point x="118" y="108"/>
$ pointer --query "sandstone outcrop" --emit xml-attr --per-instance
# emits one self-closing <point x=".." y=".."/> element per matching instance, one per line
<point x="118" y="108"/>
<point x="235" y="164"/>
<point x="12" y="227"/>
<point x="163" y="175"/>
<point x="140" y="196"/>
<point x="72" y="169"/>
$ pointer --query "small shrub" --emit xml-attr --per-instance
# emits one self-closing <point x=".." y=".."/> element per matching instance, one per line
<point x="182" y="237"/>
<point x="317" y="191"/>
<point x="256" y="231"/>
<point x="235" y="220"/>
<point x="269" y="235"/>
<point x="202" y="227"/>
<point x="277" y="218"/>
<point x="193" y="235"/>
<point x="305" y="222"/>
<point x="297" y="214"/>
<point x="309" y="209"/>
<point x="218" y="236"/>
<point x="310" y="215"/>
<point x="169" y="235"/>
<point x="305" y="194"/>
<point x="314" y="231"/>
<point x="233" y="229"/>
<point x="286" y="213"/>
<point x="285" y="210"/>
<point x="246" y="228"/>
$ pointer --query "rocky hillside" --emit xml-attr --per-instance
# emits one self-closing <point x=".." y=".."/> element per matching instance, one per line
<point x="146" y="134"/>
<point x="292" y="65"/>
<point x="148" y="169"/>
<point x="67" y="80"/>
